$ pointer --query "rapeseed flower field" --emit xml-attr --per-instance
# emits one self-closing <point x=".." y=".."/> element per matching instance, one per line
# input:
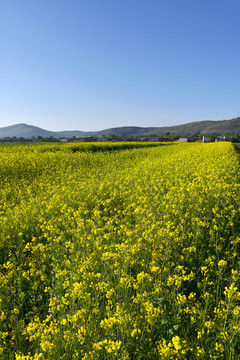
<point x="129" y="254"/>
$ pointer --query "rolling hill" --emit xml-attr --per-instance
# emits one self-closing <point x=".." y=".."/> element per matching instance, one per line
<point x="206" y="127"/>
<point x="28" y="131"/>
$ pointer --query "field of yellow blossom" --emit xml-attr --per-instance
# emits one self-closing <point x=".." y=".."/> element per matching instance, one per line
<point x="118" y="251"/>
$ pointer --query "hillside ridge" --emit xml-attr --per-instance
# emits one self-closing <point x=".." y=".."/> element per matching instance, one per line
<point x="205" y="127"/>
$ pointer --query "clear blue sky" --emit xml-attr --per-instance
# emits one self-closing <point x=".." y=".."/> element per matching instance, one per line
<point x="95" y="64"/>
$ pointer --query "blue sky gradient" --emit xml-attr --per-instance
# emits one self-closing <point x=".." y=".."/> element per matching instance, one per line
<point x="91" y="65"/>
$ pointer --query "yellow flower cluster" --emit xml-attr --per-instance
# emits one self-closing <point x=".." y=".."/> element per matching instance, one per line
<point x="125" y="254"/>
<point x="175" y="349"/>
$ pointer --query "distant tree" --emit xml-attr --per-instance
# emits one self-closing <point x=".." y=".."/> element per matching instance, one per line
<point x="212" y="138"/>
<point x="6" y="139"/>
<point x="176" y="136"/>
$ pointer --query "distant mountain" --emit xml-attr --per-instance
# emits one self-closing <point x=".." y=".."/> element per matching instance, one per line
<point x="23" y="130"/>
<point x="206" y="127"/>
<point x="28" y="131"/>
